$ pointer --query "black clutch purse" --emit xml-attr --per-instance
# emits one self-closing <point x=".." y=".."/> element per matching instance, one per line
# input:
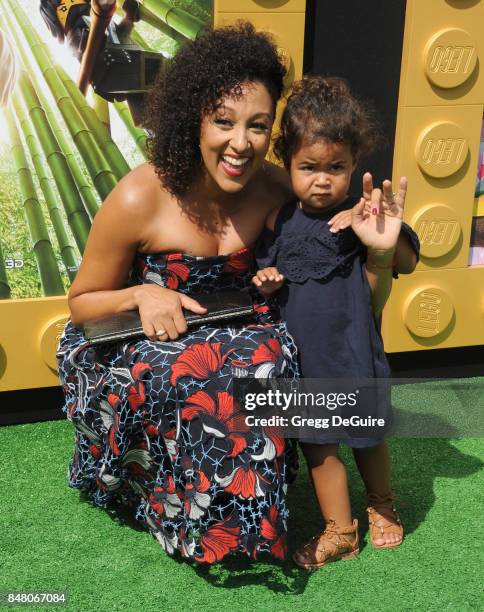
<point x="221" y="306"/>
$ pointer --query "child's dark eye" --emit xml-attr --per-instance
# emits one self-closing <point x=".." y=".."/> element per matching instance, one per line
<point x="307" y="168"/>
<point x="337" y="167"/>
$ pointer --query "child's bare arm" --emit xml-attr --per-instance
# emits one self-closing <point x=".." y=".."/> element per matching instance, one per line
<point x="405" y="259"/>
<point x="379" y="273"/>
<point x="268" y="281"/>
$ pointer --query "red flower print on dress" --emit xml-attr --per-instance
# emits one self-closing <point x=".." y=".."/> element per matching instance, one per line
<point x="187" y="546"/>
<point x="261" y="308"/>
<point x="267" y="351"/>
<point x="176" y="271"/>
<point x="136" y="396"/>
<point x="71" y="408"/>
<point x="196" y="499"/>
<point x="151" y="429"/>
<point x="136" y="391"/>
<point x="137" y="460"/>
<point x="139" y="369"/>
<point x="199" y="361"/>
<point x="219" y="540"/>
<point x="223" y="418"/>
<point x="271" y="529"/>
<point x="164" y="500"/>
<point x="110" y="419"/>
<point x="239" y="363"/>
<point x="239" y="262"/>
<point x="274" y="444"/>
<point x="245" y="482"/>
<point x="169" y="438"/>
<point x="95" y="451"/>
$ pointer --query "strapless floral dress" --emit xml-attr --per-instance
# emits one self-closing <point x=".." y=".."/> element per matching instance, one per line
<point x="157" y="425"/>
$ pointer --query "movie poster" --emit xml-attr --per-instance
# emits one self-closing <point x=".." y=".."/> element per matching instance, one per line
<point x="476" y="253"/>
<point x="61" y="153"/>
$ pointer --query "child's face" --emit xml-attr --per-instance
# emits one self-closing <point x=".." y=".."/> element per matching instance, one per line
<point x="321" y="174"/>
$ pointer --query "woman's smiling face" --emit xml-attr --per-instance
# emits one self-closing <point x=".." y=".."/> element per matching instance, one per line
<point x="235" y="138"/>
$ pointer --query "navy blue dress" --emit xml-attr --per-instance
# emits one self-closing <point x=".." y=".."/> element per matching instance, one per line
<point x="326" y="299"/>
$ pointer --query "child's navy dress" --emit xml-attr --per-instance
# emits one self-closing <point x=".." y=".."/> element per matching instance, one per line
<point x="326" y="299"/>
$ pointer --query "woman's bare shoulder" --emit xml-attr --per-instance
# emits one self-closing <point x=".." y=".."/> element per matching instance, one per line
<point x="139" y="192"/>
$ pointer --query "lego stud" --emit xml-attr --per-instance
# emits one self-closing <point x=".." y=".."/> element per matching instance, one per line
<point x="438" y="229"/>
<point x="3" y="361"/>
<point x="428" y="312"/>
<point x="450" y="58"/>
<point x="441" y="149"/>
<point x="49" y="340"/>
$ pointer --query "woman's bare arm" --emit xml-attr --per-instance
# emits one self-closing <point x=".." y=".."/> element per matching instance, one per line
<point x="116" y="234"/>
<point x="112" y="243"/>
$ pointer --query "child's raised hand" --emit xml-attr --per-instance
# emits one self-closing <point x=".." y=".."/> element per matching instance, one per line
<point x="393" y="203"/>
<point x="268" y="280"/>
<point x="377" y="218"/>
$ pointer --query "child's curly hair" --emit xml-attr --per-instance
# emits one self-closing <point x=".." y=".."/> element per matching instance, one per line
<point x="324" y="108"/>
<point x="192" y="84"/>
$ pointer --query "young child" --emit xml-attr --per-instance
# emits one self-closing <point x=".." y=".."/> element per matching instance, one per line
<point x="332" y="282"/>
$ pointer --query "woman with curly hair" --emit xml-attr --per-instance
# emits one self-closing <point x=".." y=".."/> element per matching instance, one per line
<point x="157" y="425"/>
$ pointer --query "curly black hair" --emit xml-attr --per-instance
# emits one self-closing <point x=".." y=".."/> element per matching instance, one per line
<point x="324" y="108"/>
<point x="192" y="84"/>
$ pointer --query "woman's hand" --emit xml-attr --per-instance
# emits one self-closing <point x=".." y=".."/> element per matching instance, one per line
<point x="268" y="281"/>
<point x="377" y="218"/>
<point x="161" y="311"/>
<point x="340" y="221"/>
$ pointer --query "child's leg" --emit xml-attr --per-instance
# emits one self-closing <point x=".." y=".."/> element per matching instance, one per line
<point x="330" y="482"/>
<point x="340" y="538"/>
<point x="374" y="466"/>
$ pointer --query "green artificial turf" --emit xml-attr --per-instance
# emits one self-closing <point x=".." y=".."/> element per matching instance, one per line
<point x="53" y="540"/>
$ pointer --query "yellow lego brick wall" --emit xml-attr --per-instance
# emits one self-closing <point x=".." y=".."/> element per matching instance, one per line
<point x="441" y="103"/>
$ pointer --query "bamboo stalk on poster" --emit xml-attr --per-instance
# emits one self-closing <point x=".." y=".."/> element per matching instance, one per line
<point x="155" y="22"/>
<point x="88" y="195"/>
<point x="49" y="274"/>
<point x="5" y="292"/>
<point x="139" y="135"/>
<point x="67" y="250"/>
<point x="176" y="18"/>
<point x="77" y="216"/>
<point x="94" y="124"/>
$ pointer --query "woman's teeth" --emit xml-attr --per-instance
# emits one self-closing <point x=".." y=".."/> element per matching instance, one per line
<point x="237" y="162"/>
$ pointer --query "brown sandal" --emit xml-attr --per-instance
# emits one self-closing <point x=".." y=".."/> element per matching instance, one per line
<point x="331" y="545"/>
<point x="383" y="519"/>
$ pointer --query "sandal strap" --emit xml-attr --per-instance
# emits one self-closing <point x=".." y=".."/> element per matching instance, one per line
<point x="383" y="517"/>
<point x="332" y="541"/>
<point x="387" y="513"/>
<point x="383" y="505"/>
<point x="377" y="500"/>
<point x="396" y="529"/>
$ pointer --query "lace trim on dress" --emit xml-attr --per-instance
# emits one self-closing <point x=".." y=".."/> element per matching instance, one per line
<point x="301" y="257"/>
